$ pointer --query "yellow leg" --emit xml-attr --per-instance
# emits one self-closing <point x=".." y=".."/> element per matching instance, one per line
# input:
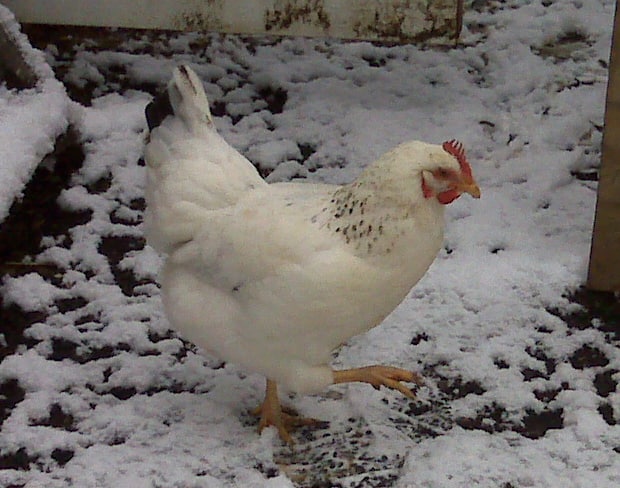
<point x="272" y="414"/>
<point x="379" y="376"/>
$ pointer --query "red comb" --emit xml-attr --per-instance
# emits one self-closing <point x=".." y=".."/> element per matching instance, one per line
<point x="455" y="148"/>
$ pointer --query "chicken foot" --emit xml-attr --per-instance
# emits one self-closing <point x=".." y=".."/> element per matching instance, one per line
<point x="379" y="376"/>
<point x="272" y="413"/>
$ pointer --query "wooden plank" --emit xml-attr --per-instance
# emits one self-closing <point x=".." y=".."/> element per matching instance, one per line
<point x="604" y="272"/>
<point x="387" y="20"/>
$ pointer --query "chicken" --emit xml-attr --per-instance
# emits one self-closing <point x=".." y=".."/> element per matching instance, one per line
<point x="275" y="277"/>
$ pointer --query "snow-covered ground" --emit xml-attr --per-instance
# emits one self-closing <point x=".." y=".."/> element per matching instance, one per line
<point x="97" y="392"/>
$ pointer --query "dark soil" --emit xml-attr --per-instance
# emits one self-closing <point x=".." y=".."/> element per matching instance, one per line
<point x="38" y="214"/>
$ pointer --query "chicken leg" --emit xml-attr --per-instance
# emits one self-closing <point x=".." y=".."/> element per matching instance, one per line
<point x="283" y="419"/>
<point x="273" y="414"/>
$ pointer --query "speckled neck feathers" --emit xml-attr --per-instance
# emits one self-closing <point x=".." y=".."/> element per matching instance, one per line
<point x="373" y="221"/>
<point x="376" y="213"/>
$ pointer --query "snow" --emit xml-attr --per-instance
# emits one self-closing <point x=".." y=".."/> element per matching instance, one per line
<point x="136" y="406"/>
<point x="462" y="458"/>
<point x="31" y="120"/>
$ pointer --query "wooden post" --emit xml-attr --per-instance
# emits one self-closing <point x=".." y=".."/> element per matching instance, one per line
<point x="604" y="272"/>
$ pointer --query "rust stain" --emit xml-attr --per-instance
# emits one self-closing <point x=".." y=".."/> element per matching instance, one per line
<point x="409" y="20"/>
<point x="460" y="9"/>
<point x="288" y="12"/>
<point x="403" y="21"/>
<point x="206" y="18"/>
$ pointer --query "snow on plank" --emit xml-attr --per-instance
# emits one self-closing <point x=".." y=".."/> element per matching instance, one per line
<point x="32" y="118"/>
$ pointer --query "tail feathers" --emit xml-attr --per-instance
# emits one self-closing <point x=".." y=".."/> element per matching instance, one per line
<point x="185" y="98"/>
<point x="158" y="110"/>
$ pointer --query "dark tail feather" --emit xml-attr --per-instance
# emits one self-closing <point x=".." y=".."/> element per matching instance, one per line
<point x="158" y="110"/>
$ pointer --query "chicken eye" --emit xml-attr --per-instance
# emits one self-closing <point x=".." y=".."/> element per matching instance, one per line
<point x="442" y="173"/>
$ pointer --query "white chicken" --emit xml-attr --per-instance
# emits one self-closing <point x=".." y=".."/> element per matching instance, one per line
<point x="274" y="277"/>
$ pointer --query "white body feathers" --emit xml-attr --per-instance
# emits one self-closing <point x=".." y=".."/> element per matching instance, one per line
<point x="275" y="277"/>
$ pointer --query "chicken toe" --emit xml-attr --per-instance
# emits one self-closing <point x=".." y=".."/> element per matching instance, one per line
<point x="379" y="376"/>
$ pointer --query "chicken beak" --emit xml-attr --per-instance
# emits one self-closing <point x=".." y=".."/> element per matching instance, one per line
<point x="470" y="187"/>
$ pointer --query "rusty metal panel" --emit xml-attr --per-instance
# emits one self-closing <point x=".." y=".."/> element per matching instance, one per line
<point x="604" y="272"/>
<point x="387" y="20"/>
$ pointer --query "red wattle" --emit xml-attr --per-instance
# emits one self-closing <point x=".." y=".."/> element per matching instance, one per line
<point x="448" y="196"/>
